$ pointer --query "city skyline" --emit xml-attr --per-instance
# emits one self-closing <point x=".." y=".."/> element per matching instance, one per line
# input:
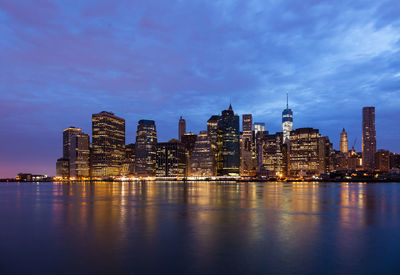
<point x="61" y="64"/>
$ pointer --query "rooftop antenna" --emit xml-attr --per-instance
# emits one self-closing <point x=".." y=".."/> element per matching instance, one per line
<point x="287" y="100"/>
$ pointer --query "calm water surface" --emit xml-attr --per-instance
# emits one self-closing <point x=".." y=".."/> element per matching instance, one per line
<point x="200" y="228"/>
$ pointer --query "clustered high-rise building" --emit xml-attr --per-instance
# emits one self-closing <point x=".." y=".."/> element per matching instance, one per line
<point x="221" y="150"/>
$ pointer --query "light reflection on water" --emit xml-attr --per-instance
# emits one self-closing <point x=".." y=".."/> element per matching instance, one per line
<point x="203" y="228"/>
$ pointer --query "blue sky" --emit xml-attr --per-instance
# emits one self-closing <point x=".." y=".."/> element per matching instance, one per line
<point x="62" y="61"/>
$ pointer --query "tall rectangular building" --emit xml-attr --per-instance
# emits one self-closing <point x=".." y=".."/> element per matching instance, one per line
<point x="202" y="159"/>
<point x="247" y="147"/>
<point x="108" y="144"/>
<point x="171" y="159"/>
<point x="146" y="148"/>
<point x="181" y="128"/>
<point x="228" y="158"/>
<point x="79" y="156"/>
<point x="212" y="133"/>
<point x="368" y="138"/>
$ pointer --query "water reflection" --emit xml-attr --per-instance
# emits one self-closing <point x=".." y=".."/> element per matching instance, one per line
<point x="202" y="227"/>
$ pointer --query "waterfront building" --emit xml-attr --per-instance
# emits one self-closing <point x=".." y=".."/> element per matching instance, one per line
<point x="382" y="161"/>
<point x="108" y="144"/>
<point x="79" y="156"/>
<point x="181" y="128"/>
<point x="202" y="158"/>
<point x="188" y="140"/>
<point x="394" y="161"/>
<point x="355" y="161"/>
<point x="128" y="166"/>
<point x="67" y="139"/>
<point x="287" y="121"/>
<point x="212" y="133"/>
<point x="247" y="147"/>
<point x="368" y="138"/>
<point x="62" y="168"/>
<point x="273" y="155"/>
<point x="309" y="152"/>
<point x="344" y="144"/>
<point x="146" y="141"/>
<point x="170" y="159"/>
<point x="228" y="158"/>
<point x="339" y="160"/>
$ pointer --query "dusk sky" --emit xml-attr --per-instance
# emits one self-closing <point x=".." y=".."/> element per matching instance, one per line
<point x="61" y="61"/>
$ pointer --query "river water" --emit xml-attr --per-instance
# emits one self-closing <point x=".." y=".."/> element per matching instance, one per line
<point x="200" y="228"/>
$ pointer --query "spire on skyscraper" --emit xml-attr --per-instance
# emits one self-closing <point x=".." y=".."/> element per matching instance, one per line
<point x="230" y="107"/>
<point x="287" y="100"/>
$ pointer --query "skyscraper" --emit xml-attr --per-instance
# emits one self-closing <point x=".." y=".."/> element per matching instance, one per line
<point x="287" y="121"/>
<point x="146" y="141"/>
<point x="67" y="138"/>
<point x="368" y="138"/>
<point x="212" y="133"/>
<point x="202" y="159"/>
<point x="228" y="144"/>
<point x="108" y="144"/>
<point x="171" y="159"/>
<point x="79" y="156"/>
<point x="188" y="140"/>
<point x="344" y="145"/>
<point x="309" y="152"/>
<point x="247" y="149"/>
<point x="182" y="128"/>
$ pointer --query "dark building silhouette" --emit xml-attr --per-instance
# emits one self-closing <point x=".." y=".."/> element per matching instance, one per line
<point x="202" y="158"/>
<point x="228" y="158"/>
<point x="181" y="128"/>
<point x="128" y="166"/>
<point x="62" y="168"/>
<point x="170" y="159"/>
<point x="108" y="144"/>
<point x="146" y="150"/>
<point x="368" y="138"/>
<point x="188" y="140"/>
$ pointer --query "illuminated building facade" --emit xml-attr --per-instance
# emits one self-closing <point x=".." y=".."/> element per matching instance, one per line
<point x="382" y="160"/>
<point x="67" y="139"/>
<point x="258" y="127"/>
<point x="355" y="161"/>
<point x="146" y="148"/>
<point x="274" y="155"/>
<point x="247" y="147"/>
<point x="344" y="144"/>
<point x="188" y="140"/>
<point x="212" y="132"/>
<point x="309" y="152"/>
<point x="108" y="144"/>
<point x="170" y="159"/>
<point x="228" y="158"/>
<point x="79" y="164"/>
<point x="368" y="138"/>
<point x="202" y="158"/>
<point x="287" y="121"/>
